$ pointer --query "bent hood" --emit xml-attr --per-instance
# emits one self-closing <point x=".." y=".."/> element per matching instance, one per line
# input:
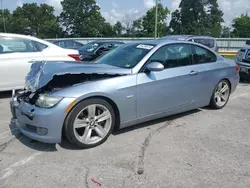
<point x="41" y="73"/>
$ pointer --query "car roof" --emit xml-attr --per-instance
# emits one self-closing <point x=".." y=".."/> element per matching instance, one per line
<point x="157" y="42"/>
<point x="63" y="40"/>
<point x="160" y="43"/>
<point x="17" y="35"/>
<point x="107" y="41"/>
<point x="28" y="37"/>
<point x="184" y="37"/>
<point x="247" y="47"/>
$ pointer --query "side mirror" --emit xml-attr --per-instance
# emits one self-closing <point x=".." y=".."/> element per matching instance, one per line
<point x="155" y="66"/>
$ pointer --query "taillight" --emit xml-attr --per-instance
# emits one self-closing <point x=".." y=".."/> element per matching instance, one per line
<point x="237" y="67"/>
<point x="75" y="56"/>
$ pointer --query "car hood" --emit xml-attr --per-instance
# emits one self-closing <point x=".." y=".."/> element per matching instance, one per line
<point x="41" y="73"/>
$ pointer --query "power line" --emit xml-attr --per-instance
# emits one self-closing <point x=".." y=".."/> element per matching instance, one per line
<point x="3" y="16"/>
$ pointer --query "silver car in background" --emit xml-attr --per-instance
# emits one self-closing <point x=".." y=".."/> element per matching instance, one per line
<point x="243" y="60"/>
<point x="207" y="41"/>
<point x="132" y="84"/>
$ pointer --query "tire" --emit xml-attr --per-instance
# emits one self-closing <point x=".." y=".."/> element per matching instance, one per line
<point x="82" y="127"/>
<point x="214" y="102"/>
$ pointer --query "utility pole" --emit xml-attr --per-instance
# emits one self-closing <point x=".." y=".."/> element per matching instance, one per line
<point x="3" y="16"/>
<point x="156" y="18"/>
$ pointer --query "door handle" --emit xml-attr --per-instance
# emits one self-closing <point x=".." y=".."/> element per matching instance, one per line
<point x="193" y="73"/>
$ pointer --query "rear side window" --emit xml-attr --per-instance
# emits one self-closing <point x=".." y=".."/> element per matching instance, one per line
<point x="61" y="44"/>
<point x="210" y="43"/>
<point x="40" y="47"/>
<point x="202" y="55"/>
<point x="13" y="44"/>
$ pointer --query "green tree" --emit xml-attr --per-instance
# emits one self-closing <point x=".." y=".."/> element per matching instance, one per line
<point x="241" y="26"/>
<point x="137" y="28"/>
<point x="145" y="26"/>
<point x="214" y="18"/>
<point x="128" y="25"/>
<point x="118" y="28"/>
<point x="82" y="18"/>
<point x="35" y="19"/>
<point x="190" y="18"/>
<point x="5" y="19"/>
<point x="107" y="30"/>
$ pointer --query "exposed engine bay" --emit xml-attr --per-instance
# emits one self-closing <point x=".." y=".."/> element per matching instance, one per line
<point x="47" y="77"/>
<point x="59" y="82"/>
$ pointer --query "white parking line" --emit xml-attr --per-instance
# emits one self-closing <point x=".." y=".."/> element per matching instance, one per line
<point x="10" y="170"/>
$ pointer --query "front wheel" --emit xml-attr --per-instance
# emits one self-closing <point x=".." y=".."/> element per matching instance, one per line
<point x="90" y="123"/>
<point x="220" y="95"/>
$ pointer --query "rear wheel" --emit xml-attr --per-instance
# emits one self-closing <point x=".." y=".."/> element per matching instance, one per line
<point x="90" y="123"/>
<point x="220" y="95"/>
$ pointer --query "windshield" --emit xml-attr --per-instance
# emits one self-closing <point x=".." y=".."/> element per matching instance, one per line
<point x="90" y="47"/>
<point x="126" y="56"/>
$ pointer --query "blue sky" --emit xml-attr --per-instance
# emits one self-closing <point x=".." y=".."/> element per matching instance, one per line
<point x="114" y="10"/>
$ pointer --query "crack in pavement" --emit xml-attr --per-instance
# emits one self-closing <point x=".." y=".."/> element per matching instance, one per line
<point x="140" y="169"/>
<point x="86" y="177"/>
<point x="5" y="144"/>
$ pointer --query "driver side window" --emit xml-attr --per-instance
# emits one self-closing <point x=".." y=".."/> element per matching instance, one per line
<point x="173" y="55"/>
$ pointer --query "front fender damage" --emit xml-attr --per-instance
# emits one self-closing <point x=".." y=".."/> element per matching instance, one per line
<point x="47" y="78"/>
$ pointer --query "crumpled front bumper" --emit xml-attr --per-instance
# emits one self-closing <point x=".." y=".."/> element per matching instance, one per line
<point x="44" y="125"/>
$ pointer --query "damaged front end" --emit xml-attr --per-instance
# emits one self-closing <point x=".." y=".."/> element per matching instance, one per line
<point x="46" y="77"/>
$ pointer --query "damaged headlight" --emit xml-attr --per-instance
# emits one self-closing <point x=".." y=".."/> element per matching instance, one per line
<point x="45" y="101"/>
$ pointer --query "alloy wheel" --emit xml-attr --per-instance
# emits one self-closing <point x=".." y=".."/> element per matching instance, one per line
<point x="92" y="124"/>
<point x="222" y="93"/>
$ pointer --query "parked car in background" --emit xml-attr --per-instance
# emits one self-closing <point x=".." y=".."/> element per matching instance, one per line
<point x="18" y="52"/>
<point x="210" y="42"/>
<point x="134" y="83"/>
<point x="243" y="60"/>
<point x="68" y="44"/>
<point x="95" y="49"/>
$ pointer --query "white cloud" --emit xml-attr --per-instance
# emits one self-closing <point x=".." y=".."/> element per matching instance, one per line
<point x="233" y="8"/>
<point x="175" y="4"/>
<point x="56" y="4"/>
<point x="112" y="16"/>
<point x="149" y="3"/>
<point x="115" y="5"/>
<point x="19" y="3"/>
<point x="115" y="15"/>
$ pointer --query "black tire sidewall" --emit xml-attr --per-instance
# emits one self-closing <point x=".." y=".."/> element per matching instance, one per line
<point x="68" y="124"/>
<point x="213" y="102"/>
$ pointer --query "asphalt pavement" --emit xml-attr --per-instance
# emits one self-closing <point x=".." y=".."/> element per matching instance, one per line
<point x="202" y="148"/>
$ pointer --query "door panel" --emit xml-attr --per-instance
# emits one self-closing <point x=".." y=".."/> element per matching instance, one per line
<point x="178" y="85"/>
<point x="166" y="90"/>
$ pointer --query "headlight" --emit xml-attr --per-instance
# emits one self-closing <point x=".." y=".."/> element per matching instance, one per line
<point x="45" y="101"/>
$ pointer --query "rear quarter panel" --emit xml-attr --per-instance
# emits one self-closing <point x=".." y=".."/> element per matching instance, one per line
<point x="222" y="69"/>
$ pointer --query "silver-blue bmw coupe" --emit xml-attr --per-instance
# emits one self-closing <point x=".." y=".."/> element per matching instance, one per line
<point x="134" y="83"/>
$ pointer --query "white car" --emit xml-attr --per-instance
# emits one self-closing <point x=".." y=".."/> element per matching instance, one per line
<point x="18" y="52"/>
